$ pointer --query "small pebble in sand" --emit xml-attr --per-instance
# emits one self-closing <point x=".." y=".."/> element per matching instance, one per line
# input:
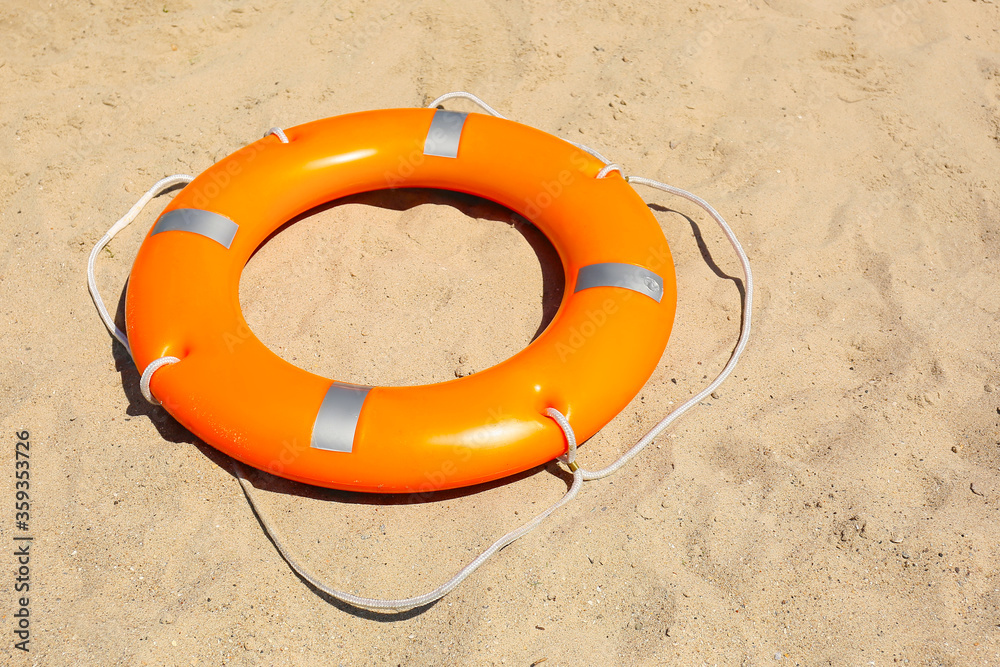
<point x="956" y="448"/>
<point x="777" y="656"/>
<point x="463" y="367"/>
<point x="989" y="388"/>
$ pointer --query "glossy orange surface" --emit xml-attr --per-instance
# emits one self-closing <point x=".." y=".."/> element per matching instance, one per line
<point x="240" y="397"/>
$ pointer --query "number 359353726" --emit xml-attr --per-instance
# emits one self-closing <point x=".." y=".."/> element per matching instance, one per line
<point x="22" y="473"/>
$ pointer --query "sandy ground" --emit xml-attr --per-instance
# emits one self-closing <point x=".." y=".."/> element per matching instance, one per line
<point x="836" y="504"/>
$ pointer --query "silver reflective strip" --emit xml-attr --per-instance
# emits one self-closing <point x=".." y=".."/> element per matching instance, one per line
<point x="337" y="419"/>
<point x="217" y="227"/>
<point x="446" y="131"/>
<point x="629" y="276"/>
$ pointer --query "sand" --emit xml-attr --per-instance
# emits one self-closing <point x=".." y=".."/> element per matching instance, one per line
<point x="835" y="504"/>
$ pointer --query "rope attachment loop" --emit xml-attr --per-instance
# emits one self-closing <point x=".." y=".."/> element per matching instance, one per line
<point x="461" y="94"/>
<point x="147" y="375"/>
<point x="278" y="132"/>
<point x="610" y="168"/>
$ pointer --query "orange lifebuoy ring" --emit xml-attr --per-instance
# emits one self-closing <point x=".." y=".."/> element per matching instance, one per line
<point x="238" y="396"/>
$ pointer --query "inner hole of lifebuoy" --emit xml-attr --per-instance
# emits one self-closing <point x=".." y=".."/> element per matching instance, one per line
<point x="402" y="287"/>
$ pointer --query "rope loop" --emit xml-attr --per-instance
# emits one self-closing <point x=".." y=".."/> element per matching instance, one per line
<point x="278" y="132"/>
<point x="461" y="94"/>
<point x="569" y="458"/>
<point x="147" y="375"/>
<point x="614" y="166"/>
<point x="466" y="96"/>
<point x="402" y="604"/>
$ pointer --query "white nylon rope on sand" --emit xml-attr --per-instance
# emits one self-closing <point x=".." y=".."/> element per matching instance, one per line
<point x="378" y="605"/>
<point x="579" y="474"/>
<point x="404" y="604"/>
<point x="132" y="214"/>
<point x="278" y="132"/>
<point x="461" y="94"/>
<point x="466" y="96"/>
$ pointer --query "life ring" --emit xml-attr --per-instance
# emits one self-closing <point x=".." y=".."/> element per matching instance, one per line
<point x="238" y="396"/>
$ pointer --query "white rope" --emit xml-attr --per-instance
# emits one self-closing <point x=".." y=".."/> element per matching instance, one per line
<point x="404" y="604"/>
<point x="95" y="294"/>
<point x="610" y="168"/>
<point x="569" y="458"/>
<point x="461" y="94"/>
<point x="590" y="150"/>
<point x="147" y="375"/>
<point x="278" y="132"/>
<point x="466" y="96"/>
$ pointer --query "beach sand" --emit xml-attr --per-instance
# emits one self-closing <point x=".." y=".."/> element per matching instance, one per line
<point x="835" y="504"/>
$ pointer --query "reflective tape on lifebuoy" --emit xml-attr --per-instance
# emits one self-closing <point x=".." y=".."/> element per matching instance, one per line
<point x="231" y="391"/>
